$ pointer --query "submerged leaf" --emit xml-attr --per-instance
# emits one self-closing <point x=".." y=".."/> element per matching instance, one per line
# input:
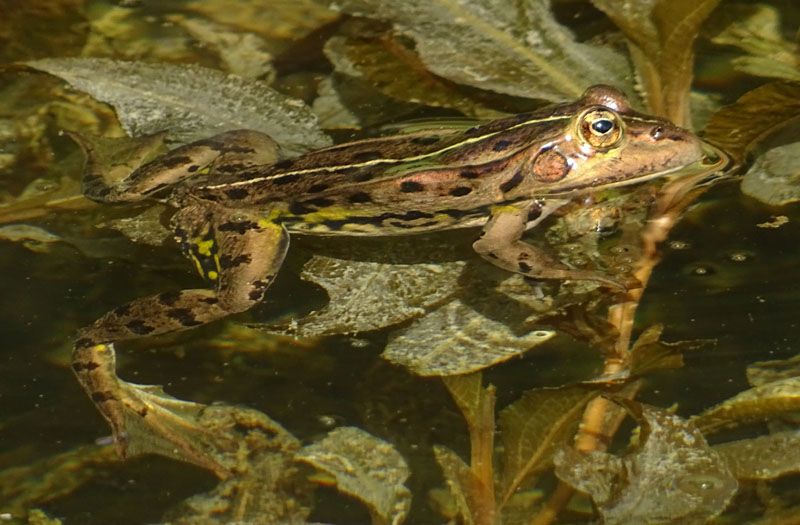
<point x="468" y="393"/>
<point x="475" y="487"/>
<point x="774" y="177"/>
<point x="672" y="477"/>
<point x="455" y="339"/>
<point x="756" y="115"/>
<point x="510" y="47"/>
<point x="366" y="468"/>
<point x="764" y="401"/>
<point x="55" y="476"/>
<point x="189" y="102"/>
<point x="533" y="428"/>
<point x="266" y="485"/>
<point x="763" y="372"/>
<point x="32" y="237"/>
<point x="458" y="477"/>
<point x="368" y="295"/>
<point x="763" y="457"/>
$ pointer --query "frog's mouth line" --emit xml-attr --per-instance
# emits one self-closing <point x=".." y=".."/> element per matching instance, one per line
<point x="714" y="161"/>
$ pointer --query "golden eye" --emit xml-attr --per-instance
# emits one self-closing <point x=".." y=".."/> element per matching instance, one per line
<point x="601" y="128"/>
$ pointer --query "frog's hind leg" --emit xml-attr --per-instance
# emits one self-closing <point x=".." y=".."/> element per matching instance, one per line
<point x="252" y="249"/>
<point x="231" y="151"/>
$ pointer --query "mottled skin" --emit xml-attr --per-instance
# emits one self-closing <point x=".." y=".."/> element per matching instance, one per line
<point x="236" y="208"/>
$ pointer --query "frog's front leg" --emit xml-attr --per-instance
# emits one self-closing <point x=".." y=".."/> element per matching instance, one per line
<point x="500" y="244"/>
<point x="251" y="251"/>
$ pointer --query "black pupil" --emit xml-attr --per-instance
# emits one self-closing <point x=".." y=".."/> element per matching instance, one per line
<point x="602" y="125"/>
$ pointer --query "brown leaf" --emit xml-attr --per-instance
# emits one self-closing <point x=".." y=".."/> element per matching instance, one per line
<point x="661" y="35"/>
<point x="738" y="128"/>
<point x="398" y="72"/>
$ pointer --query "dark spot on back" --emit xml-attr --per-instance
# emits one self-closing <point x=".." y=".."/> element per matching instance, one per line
<point x="259" y="287"/>
<point x="415" y="214"/>
<point x="360" y="197"/>
<point x="174" y="161"/>
<point x="411" y="186"/>
<point x="469" y="174"/>
<point x="169" y="298"/>
<point x="122" y="311"/>
<point x="237" y="193"/>
<point x="316" y="188"/>
<point x="84" y="367"/>
<point x="298" y="208"/>
<point x="512" y="183"/>
<point x="283" y="164"/>
<point x="83" y="342"/>
<point x="226" y="261"/>
<point x="101" y="397"/>
<point x="193" y="168"/>
<point x="524" y="267"/>
<point x="460" y="191"/>
<point x="139" y="327"/>
<point x="366" y="156"/>
<point x="238" y="227"/>
<point x="286" y="179"/>
<point x="184" y="316"/>
<point x="500" y="145"/>
<point x="321" y="202"/>
<point x="425" y="141"/>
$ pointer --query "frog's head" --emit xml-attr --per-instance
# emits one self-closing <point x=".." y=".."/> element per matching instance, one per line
<point x="606" y="143"/>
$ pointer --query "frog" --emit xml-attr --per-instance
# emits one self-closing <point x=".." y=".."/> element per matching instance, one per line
<point x="237" y="204"/>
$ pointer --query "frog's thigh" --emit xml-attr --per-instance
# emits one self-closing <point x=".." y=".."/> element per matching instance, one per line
<point x="235" y="150"/>
<point x="501" y="245"/>
<point x="251" y="252"/>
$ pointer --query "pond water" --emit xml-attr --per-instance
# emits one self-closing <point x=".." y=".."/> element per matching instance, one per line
<point x="722" y="296"/>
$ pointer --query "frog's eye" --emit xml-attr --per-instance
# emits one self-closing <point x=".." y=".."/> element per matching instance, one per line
<point x="601" y="128"/>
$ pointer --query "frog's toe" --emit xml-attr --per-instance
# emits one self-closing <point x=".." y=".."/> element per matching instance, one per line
<point x="157" y="423"/>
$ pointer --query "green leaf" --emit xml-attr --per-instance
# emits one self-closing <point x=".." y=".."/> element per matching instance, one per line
<point x="189" y="102"/>
<point x="510" y="47"/>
